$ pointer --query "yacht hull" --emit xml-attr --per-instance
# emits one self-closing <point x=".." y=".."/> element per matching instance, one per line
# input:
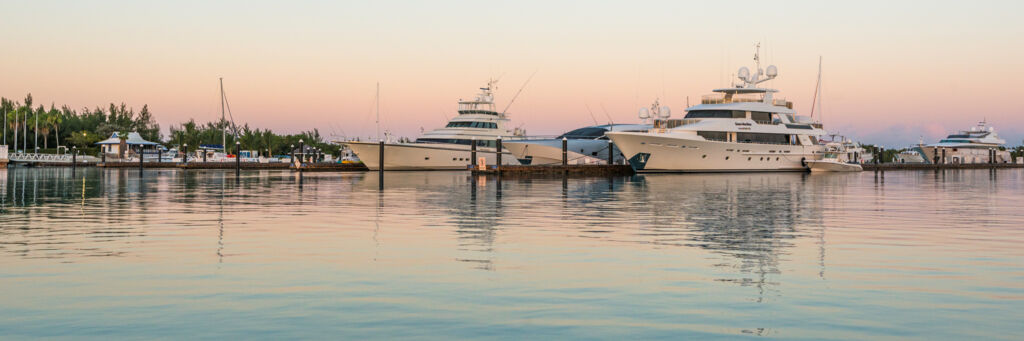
<point x="424" y="156"/>
<point x="667" y="153"/>
<point x="549" y="152"/>
<point x="832" y="166"/>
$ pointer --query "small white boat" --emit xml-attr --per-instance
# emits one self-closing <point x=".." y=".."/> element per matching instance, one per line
<point x="834" y="160"/>
<point x="832" y="165"/>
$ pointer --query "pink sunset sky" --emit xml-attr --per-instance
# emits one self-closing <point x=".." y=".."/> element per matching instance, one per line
<point x="894" y="72"/>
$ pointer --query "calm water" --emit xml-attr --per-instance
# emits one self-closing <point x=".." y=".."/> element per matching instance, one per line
<point x="176" y="254"/>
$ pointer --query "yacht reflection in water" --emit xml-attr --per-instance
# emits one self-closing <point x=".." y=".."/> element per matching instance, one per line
<point x="751" y="219"/>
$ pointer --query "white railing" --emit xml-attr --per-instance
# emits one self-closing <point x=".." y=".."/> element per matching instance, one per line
<point x="40" y="157"/>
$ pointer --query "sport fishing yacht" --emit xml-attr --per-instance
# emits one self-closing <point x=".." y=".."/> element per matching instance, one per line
<point x="738" y="129"/>
<point x="478" y="122"/>
<point x="979" y="144"/>
<point x="587" y="145"/>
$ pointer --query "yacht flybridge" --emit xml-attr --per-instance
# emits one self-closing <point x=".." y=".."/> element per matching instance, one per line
<point x="737" y="129"/>
<point x="478" y="122"/>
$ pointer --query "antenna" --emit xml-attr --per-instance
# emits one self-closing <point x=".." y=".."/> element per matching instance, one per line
<point x="591" y="114"/>
<point x="517" y="93"/>
<point x="611" y="122"/>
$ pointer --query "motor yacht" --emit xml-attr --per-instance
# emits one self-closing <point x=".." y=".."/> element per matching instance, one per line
<point x="979" y="144"/>
<point x="738" y="129"/>
<point x="587" y="145"/>
<point x="478" y="122"/>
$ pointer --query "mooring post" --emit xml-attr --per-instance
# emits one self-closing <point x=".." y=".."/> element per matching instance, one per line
<point x="159" y="154"/>
<point x="472" y="154"/>
<point x="611" y="152"/>
<point x="292" y="149"/>
<point x="380" y="166"/>
<point x="204" y="155"/>
<point x="302" y="152"/>
<point x="103" y="157"/>
<point x="238" y="158"/>
<point x="565" y="152"/>
<point x="141" y="156"/>
<point x="184" y="154"/>
<point x="74" y="158"/>
<point x="497" y="165"/>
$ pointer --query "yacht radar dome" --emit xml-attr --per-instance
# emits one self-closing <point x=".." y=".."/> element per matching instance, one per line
<point x="644" y="114"/>
<point x="743" y="73"/>
<point x="664" y="113"/>
<point x="772" y="71"/>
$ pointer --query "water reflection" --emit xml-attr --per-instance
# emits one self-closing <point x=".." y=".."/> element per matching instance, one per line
<point x="649" y="256"/>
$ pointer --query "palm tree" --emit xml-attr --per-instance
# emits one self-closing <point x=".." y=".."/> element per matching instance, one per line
<point x="54" y="119"/>
<point x="45" y="129"/>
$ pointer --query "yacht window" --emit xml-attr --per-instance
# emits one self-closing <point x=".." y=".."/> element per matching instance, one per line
<point x="716" y="114"/>
<point x="713" y="135"/>
<point x="465" y="124"/>
<point x="584" y="133"/>
<point x="761" y="117"/>
<point x="762" y="138"/>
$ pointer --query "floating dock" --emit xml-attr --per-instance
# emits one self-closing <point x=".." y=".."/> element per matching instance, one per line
<point x="928" y="166"/>
<point x="557" y="170"/>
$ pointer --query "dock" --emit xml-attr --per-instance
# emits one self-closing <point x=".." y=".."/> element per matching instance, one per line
<point x="928" y="166"/>
<point x="308" y="167"/>
<point x="557" y="170"/>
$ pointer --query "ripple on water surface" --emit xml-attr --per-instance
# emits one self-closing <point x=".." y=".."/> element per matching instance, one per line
<point x="107" y="253"/>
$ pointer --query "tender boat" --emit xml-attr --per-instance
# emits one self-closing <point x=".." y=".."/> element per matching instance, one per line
<point x="837" y="159"/>
<point x="478" y="122"/>
<point x="587" y="145"/>
<point x="739" y="129"/>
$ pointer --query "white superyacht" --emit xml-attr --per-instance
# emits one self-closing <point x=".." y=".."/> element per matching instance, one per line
<point x="738" y="129"/>
<point x="979" y="144"/>
<point x="477" y="122"/>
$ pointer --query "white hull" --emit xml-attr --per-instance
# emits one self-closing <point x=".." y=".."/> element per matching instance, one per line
<point x="424" y="156"/>
<point x="665" y="153"/>
<point x="833" y="166"/>
<point x="540" y="154"/>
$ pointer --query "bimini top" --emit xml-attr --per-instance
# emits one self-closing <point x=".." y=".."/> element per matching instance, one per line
<point x="133" y="139"/>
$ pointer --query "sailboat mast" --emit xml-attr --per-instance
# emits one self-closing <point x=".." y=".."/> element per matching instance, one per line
<point x="817" y="87"/>
<point x="223" y="133"/>
<point x="378" y="111"/>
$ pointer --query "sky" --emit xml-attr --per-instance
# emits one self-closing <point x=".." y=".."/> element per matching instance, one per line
<point x="894" y="72"/>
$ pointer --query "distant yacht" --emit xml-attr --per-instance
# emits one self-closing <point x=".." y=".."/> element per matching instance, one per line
<point x="587" y="145"/>
<point x="743" y="128"/>
<point x="979" y="144"/>
<point x="477" y="122"/>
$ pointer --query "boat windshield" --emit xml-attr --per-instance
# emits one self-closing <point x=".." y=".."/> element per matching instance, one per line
<point x="584" y="133"/>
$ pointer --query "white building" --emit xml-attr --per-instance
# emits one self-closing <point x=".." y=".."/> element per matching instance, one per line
<point x="112" y="145"/>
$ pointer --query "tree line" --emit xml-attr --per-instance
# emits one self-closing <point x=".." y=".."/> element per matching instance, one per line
<point x="37" y="127"/>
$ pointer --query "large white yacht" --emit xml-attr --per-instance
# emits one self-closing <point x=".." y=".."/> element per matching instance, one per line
<point x="979" y="144"/>
<point x="477" y="122"/>
<point x="738" y="129"/>
<point x="587" y="145"/>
